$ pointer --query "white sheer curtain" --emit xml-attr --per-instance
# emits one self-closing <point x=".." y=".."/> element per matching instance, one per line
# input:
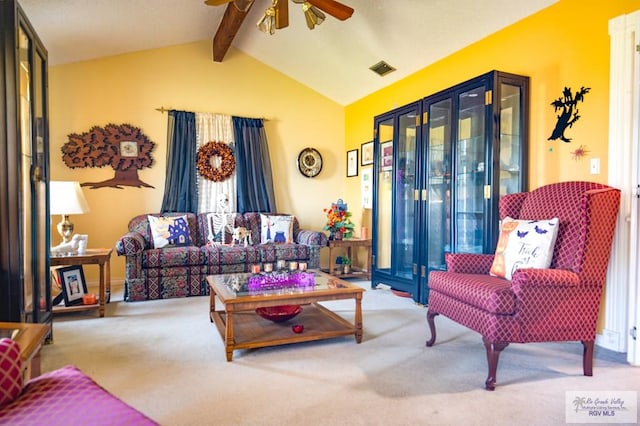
<point x="216" y="128"/>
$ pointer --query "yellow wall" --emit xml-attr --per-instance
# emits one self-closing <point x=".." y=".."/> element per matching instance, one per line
<point x="128" y="88"/>
<point x="566" y="44"/>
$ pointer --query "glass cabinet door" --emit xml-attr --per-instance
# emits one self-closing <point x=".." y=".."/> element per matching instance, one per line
<point x="470" y="153"/>
<point x="510" y="139"/>
<point x="405" y="179"/>
<point x="439" y="183"/>
<point x="384" y="195"/>
<point x="24" y="224"/>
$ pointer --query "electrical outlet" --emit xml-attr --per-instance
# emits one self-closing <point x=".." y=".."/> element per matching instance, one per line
<point x="595" y="166"/>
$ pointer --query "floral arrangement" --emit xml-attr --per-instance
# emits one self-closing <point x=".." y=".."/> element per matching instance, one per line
<point x="338" y="219"/>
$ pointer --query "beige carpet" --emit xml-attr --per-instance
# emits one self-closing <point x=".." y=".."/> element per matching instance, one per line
<point x="166" y="359"/>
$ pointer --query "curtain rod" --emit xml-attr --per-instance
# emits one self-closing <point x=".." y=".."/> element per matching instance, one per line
<point x="163" y="110"/>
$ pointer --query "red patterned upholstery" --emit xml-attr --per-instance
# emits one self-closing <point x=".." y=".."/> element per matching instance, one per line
<point x="538" y="305"/>
<point x="68" y="397"/>
<point x="10" y="371"/>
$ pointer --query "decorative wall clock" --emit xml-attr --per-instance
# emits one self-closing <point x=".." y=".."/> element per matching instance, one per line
<point x="310" y="162"/>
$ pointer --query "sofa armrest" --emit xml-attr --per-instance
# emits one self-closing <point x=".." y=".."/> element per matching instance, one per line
<point x="130" y="244"/>
<point x="311" y="238"/>
<point x="469" y="263"/>
<point x="547" y="278"/>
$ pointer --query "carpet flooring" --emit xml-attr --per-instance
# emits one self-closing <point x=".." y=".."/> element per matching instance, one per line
<point x="167" y="360"/>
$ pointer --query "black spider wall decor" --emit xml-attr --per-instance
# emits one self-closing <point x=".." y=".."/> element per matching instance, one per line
<point x="568" y="106"/>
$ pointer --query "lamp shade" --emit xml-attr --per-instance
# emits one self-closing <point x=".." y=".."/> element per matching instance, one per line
<point x="66" y="198"/>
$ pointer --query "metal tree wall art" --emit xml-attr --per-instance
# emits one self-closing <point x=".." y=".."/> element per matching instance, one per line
<point x="122" y="146"/>
<point x="567" y="104"/>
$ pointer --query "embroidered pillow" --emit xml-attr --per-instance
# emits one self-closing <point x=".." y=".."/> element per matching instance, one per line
<point x="10" y="371"/>
<point x="169" y="231"/>
<point x="220" y="227"/>
<point x="524" y="244"/>
<point x="276" y="229"/>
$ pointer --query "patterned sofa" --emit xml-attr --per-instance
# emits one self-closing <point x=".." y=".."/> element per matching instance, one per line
<point x="169" y="272"/>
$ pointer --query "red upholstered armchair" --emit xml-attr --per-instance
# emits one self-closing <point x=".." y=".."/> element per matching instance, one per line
<point x="559" y="303"/>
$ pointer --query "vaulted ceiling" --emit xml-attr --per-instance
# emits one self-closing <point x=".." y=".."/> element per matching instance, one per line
<point x="333" y="59"/>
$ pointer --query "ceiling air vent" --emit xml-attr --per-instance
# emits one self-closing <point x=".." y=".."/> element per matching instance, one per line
<point x="382" y="68"/>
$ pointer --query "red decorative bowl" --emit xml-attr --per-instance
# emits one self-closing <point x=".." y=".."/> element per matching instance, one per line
<point x="279" y="313"/>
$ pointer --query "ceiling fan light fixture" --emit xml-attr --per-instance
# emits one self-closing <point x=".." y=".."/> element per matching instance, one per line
<point x="267" y="24"/>
<point x="312" y="15"/>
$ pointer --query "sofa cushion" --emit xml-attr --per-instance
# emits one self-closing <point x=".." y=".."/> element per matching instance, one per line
<point x="10" y="371"/>
<point x="524" y="244"/>
<point x="276" y="229"/>
<point x="169" y="231"/>
<point x="231" y="255"/>
<point x="270" y="253"/>
<point x="172" y="256"/>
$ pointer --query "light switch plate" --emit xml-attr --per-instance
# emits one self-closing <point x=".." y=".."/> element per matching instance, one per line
<point x="595" y="166"/>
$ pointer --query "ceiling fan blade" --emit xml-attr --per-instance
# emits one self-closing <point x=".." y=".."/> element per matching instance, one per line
<point x="227" y="30"/>
<point x="216" y="2"/>
<point x="282" y="14"/>
<point x="336" y="9"/>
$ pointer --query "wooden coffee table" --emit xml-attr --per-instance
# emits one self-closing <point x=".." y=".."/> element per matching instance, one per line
<point x="241" y="328"/>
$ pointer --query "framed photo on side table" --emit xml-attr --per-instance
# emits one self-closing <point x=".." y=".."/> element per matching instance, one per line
<point x="352" y="163"/>
<point x="74" y="286"/>
<point x="366" y="154"/>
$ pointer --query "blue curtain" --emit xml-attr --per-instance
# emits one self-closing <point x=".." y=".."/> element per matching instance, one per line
<point x="180" y="192"/>
<point x="253" y="167"/>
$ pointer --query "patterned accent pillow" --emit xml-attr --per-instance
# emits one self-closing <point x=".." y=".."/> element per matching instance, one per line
<point x="276" y="229"/>
<point x="10" y="371"/>
<point x="169" y="231"/>
<point x="524" y="244"/>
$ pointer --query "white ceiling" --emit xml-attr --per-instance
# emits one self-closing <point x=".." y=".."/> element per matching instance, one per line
<point x="333" y="59"/>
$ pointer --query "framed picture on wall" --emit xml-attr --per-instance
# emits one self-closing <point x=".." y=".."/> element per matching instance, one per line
<point x="386" y="156"/>
<point x="352" y="163"/>
<point x="366" y="154"/>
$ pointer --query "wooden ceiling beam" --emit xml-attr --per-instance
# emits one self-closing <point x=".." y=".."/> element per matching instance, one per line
<point x="227" y="30"/>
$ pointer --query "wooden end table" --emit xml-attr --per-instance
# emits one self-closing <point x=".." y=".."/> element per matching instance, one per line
<point x="100" y="257"/>
<point x="349" y="244"/>
<point x="30" y="338"/>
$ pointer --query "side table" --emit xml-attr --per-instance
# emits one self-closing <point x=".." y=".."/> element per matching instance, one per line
<point x="30" y="338"/>
<point x="349" y="244"/>
<point x="101" y="257"/>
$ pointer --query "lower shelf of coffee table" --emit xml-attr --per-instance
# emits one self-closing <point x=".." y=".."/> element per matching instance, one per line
<point x="252" y="331"/>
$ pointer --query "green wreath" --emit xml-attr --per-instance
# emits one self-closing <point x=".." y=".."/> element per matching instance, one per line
<point x="205" y="165"/>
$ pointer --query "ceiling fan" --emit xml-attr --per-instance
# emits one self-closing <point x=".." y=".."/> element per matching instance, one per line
<point x="275" y="17"/>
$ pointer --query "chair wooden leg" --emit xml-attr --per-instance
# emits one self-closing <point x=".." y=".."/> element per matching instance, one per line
<point x="493" y="353"/>
<point x="432" y="327"/>
<point x="587" y="357"/>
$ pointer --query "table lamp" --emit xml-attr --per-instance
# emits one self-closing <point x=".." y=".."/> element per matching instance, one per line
<point x="66" y="198"/>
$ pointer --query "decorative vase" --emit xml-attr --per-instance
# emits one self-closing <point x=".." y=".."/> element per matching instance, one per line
<point x="337" y="235"/>
<point x="347" y="269"/>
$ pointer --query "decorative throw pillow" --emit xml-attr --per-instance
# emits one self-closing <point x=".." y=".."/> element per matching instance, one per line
<point x="276" y="229"/>
<point x="524" y="244"/>
<point x="220" y="227"/>
<point x="10" y="371"/>
<point x="169" y="231"/>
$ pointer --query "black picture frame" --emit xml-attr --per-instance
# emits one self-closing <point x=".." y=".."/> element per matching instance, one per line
<point x="352" y="163"/>
<point x="366" y="155"/>
<point x="73" y="284"/>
